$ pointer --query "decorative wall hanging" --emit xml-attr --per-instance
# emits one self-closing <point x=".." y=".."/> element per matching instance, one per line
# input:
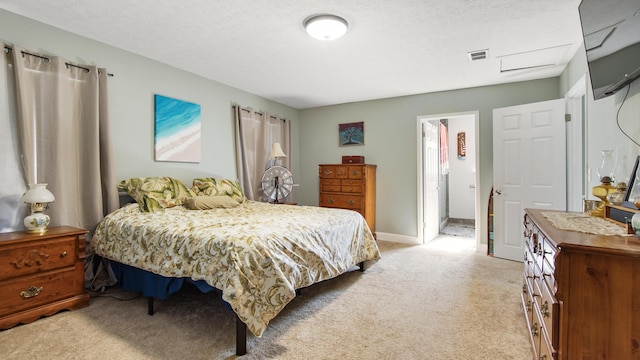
<point x="351" y="133"/>
<point x="462" y="146"/>
<point x="177" y="130"/>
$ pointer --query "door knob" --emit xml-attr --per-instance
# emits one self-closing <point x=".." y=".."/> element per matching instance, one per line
<point x="498" y="192"/>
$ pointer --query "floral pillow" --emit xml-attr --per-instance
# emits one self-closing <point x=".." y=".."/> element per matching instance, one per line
<point x="218" y="187"/>
<point x="156" y="193"/>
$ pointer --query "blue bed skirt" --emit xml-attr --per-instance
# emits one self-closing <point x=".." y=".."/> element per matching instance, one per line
<point x="149" y="284"/>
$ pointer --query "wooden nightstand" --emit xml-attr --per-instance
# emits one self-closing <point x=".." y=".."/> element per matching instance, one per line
<point x="41" y="274"/>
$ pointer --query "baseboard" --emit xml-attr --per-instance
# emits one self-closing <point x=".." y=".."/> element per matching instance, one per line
<point x="404" y="239"/>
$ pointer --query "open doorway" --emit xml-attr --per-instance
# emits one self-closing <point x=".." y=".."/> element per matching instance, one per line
<point x="448" y="159"/>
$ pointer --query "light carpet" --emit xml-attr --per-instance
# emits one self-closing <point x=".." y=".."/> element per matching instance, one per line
<point x="442" y="300"/>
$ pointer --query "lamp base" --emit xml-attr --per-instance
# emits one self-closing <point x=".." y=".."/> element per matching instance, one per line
<point x="36" y="223"/>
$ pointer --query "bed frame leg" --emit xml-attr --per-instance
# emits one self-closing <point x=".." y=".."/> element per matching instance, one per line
<point x="150" y="305"/>
<point x="241" y="337"/>
<point x="361" y="266"/>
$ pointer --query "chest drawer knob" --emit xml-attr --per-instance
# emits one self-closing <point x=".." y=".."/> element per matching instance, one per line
<point x="351" y="202"/>
<point x="32" y="291"/>
<point x="528" y="305"/>
<point x="330" y="201"/>
<point x="63" y="254"/>
<point x="534" y="330"/>
<point x="545" y="309"/>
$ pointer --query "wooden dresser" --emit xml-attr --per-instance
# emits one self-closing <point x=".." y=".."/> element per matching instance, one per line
<point x="350" y="186"/>
<point x="580" y="293"/>
<point x="41" y="274"/>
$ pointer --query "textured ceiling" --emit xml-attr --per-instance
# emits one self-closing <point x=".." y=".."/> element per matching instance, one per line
<point x="392" y="48"/>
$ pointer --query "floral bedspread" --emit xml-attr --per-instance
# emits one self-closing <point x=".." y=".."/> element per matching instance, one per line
<point x="258" y="254"/>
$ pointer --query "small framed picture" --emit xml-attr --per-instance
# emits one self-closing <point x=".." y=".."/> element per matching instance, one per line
<point x="351" y="133"/>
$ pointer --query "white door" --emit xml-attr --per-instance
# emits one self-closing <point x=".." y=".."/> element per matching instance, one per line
<point x="528" y="169"/>
<point x="430" y="153"/>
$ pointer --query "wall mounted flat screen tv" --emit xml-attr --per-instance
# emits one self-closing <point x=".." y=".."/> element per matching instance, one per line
<point x="611" y="31"/>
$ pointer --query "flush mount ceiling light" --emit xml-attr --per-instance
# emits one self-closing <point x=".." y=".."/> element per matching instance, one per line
<point x="325" y="26"/>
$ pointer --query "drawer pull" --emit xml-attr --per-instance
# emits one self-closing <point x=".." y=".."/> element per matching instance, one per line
<point x="351" y="202"/>
<point x="527" y="231"/>
<point x="32" y="291"/>
<point x="534" y="329"/>
<point x="355" y="172"/>
<point x="330" y="201"/>
<point x="524" y="288"/>
<point x="543" y="357"/>
<point x="528" y="305"/>
<point x="63" y="254"/>
<point x="328" y="172"/>
<point x="545" y="309"/>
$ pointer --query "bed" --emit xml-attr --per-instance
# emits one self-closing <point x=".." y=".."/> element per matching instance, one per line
<point x="257" y="254"/>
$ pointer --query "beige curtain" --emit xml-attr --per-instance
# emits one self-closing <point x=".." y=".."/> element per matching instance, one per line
<point x="255" y="132"/>
<point x="12" y="186"/>
<point x="63" y="136"/>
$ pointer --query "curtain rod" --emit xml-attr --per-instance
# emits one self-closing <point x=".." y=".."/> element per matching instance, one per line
<point x="257" y="112"/>
<point x="8" y="49"/>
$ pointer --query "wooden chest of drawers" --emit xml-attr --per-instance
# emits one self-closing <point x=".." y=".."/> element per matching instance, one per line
<point x="538" y="292"/>
<point x="580" y="292"/>
<point x="41" y="274"/>
<point x="351" y="186"/>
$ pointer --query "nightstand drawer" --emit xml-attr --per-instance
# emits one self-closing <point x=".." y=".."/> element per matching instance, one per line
<point x="19" y="260"/>
<point x="29" y="292"/>
<point x="341" y="201"/>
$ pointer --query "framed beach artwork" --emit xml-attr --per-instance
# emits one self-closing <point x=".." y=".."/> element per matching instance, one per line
<point x="177" y="130"/>
<point x="351" y="133"/>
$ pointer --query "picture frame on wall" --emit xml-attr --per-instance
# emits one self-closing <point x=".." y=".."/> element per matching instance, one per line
<point x="177" y="130"/>
<point x="351" y="133"/>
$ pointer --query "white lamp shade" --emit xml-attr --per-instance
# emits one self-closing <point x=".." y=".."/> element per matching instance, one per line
<point x="276" y="151"/>
<point x="326" y="27"/>
<point x="37" y="193"/>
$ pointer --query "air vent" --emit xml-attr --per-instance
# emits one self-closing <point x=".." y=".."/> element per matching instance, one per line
<point x="478" y="54"/>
